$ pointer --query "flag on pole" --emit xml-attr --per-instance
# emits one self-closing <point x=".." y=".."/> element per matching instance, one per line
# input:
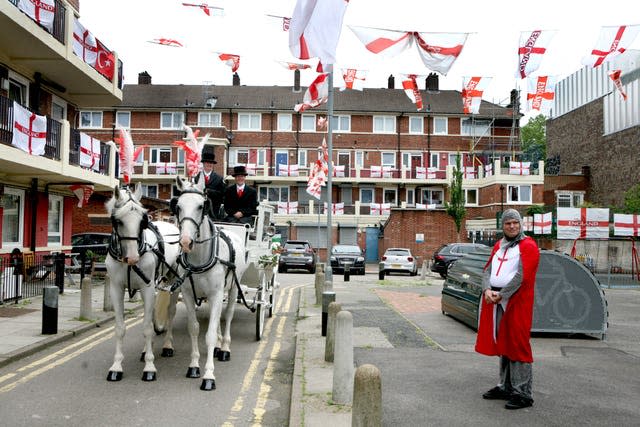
<point x="41" y="11"/>
<point x="29" y="130"/>
<point x="615" y="76"/>
<point x="317" y="93"/>
<point x="315" y="29"/>
<point x="82" y="192"/>
<point x="472" y="90"/>
<point x="533" y="45"/>
<point x="541" y="93"/>
<point x="411" y="89"/>
<point x="612" y="41"/>
<point x="231" y="60"/>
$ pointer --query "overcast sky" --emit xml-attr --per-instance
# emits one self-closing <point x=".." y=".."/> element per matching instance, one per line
<point x="126" y="26"/>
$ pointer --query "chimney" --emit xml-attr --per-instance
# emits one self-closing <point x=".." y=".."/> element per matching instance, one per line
<point x="586" y="171"/>
<point x="513" y="100"/>
<point x="296" y="80"/>
<point x="432" y="83"/>
<point x="236" y="79"/>
<point x="144" y="78"/>
<point x="391" y="82"/>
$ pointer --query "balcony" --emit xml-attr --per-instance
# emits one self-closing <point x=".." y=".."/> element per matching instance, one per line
<point x="31" y="49"/>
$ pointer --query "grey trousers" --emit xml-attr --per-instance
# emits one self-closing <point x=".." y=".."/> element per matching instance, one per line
<point x="515" y="377"/>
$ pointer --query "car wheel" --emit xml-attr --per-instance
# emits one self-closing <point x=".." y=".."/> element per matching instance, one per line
<point x="443" y="275"/>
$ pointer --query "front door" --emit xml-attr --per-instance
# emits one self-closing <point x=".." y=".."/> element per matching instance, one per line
<point x="371" y="251"/>
<point x="282" y="158"/>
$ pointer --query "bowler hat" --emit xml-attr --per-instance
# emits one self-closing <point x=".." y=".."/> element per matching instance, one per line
<point x="239" y="170"/>
<point x="208" y="155"/>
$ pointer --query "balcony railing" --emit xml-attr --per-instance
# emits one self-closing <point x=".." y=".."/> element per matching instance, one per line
<point x="58" y="20"/>
<point x="74" y="153"/>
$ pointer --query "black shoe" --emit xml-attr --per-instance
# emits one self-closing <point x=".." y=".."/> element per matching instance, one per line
<point x="518" y="402"/>
<point x="497" y="393"/>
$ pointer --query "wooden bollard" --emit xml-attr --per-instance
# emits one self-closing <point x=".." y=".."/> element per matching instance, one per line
<point x="329" y="344"/>
<point x="366" y="410"/>
<point x="343" y="359"/>
<point x="319" y="283"/>
<point x="85" y="299"/>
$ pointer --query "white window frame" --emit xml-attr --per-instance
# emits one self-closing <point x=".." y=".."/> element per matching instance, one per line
<point x="341" y="123"/>
<point x="359" y="159"/>
<point x="145" y="190"/>
<point x="19" y="215"/>
<point x="452" y="159"/>
<point x="466" y="196"/>
<point x="235" y="156"/>
<point x="363" y="190"/>
<point x="56" y="100"/>
<point x="214" y="119"/>
<point x="410" y="196"/>
<point x="427" y="195"/>
<point x="308" y="123"/>
<point x="435" y="160"/>
<point x="177" y="119"/>
<point x="154" y="154"/>
<point x="575" y="199"/>
<point x="95" y="120"/>
<point x="287" y="126"/>
<point x="126" y="114"/>
<point x="23" y="84"/>
<point x="408" y="155"/>
<point x="479" y="128"/>
<point x="54" y="238"/>
<point x="387" y="190"/>
<point x="140" y="159"/>
<point x="261" y="157"/>
<point x="302" y="158"/>
<point x="519" y="195"/>
<point x="249" y="121"/>
<point x="385" y="154"/>
<point x="180" y="160"/>
<point x="444" y="124"/>
<point x="420" y="125"/>
<point x="271" y="190"/>
<point x="384" y="124"/>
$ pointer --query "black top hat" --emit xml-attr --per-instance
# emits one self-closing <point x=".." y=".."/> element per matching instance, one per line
<point x="208" y="155"/>
<point x="239" y="170"/>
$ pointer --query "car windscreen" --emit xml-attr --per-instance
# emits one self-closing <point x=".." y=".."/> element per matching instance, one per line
<point x="346" y="250"/>
<point x="295" y="247"/>
<point x="397" y="252"/>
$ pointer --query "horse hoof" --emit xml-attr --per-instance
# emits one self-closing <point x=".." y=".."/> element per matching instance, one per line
<point x="224" y="356"/>
<point x="208" y="385"/>
<point x="167" y="352"/>
<point x="114" y="376"/>
<point x="216" y="351"/>
<point x="148" y="376"/>
<point x="193" y="372"/>
<point x="142" y="356"/>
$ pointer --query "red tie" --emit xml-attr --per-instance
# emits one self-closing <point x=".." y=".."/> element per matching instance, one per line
<point x="206" y="179"/>
<point x="240" y="192"/>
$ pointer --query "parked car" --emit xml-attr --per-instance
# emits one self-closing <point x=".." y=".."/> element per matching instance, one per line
<point x="347" y="255"/>
<point x="397" y="260"/>
<point x="297" y="254"/>
<point x="446" y="255"/>
<point x="98" y="243"/>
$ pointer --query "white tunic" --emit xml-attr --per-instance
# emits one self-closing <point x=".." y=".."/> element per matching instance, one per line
<point x="504" y="266"/>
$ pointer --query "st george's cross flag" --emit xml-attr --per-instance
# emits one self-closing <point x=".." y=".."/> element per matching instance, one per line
<point x="472" y="90"/>
<point x="527" y="223"/>
<point x="89" y="152"/>
<point x="614" y="75"/>
<point x="83" y="192"/>
<point x="167" y="42"/>
<point x="626" y="225"/>
<point x="531" y="49"/>
<point x="288" y="170"/>
<point x="519" y="168"/>
<point x="336" y="208"/>
<point x="84" y="43"/>
<point x="29" y="130"/>
<point x="583" y="223"/>
<point x="288" y="208"/>
<point x="488" y="169"/>
<point x="380" y="208"/>
<point x="411" y="90"/>
<point x="353" y="79"/>
<point x="542" y="223"/>
<point x="41" y="11"/>
<point x="231" y="60"/>
<point x="612" y="41"/>
<point x="315" y="29"/>
<point x="294" y="65"/>
<point x="317" y="93"/>
<point x="421" y="172"/>
<point x="541" y="93"/>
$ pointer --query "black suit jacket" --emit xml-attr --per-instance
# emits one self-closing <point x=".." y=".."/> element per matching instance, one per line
<point x="247" y="204"/>
<point x="215" y="191"/>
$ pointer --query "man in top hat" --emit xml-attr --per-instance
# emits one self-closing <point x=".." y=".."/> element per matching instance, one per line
<point x="214" y="183"/>
<point x="240" y="200"/>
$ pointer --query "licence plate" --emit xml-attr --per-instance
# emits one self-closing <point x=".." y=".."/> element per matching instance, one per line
<point x="395" y="266"/>
<point x="296" y="254"/>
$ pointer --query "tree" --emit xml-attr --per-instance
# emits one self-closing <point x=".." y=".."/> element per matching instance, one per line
<point x="455" y="208"/>
<point x="632" y="200"/>
<point x="534" y="139"/>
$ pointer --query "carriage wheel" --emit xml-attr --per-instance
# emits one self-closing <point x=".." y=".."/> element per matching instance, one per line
<point x="273" y="297"/>
<point x="260" y="314"/>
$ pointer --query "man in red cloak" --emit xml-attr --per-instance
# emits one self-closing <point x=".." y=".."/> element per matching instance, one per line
<point x="506" y="311"/>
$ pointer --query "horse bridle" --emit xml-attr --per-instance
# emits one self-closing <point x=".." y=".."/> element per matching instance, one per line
<point x="176" y="212"/>
<point x="115" y="244"/>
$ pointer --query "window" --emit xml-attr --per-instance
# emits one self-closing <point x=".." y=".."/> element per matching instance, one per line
<point x="308" y="123"/>
<point x="54" y="218"/>
<point x="440" y="126"/>
<point x="407" y="157"/>
<point x="341" y="123"/>
<point x="366" y="195"/>
<point x="359" y="162"/>
<point x="432" y="196"/>
<point x="240" y="157"/>
<point x="180" y="156"/>
<point x="18" y="88"/>
<point x="519" y="193"/>
<point x="12" y="217"/>
<point x="261" y="157"/>
<point x="58" y="108"/>
<point x="149" y="190"/>
<point x="475" y="127"/>
<point x="171" y="120"/>
<point x="160" y="155"/>
<point x="569" y="199"/>
<point x="384" y="124"/>
<point x="435" y="160"/>
<point x="453" y="159"/>
<point x="249" y="121"/>
<point x="123" y="119"/>
<point x="207" y="119"/>
<point x="90" y="119"/>
<point x="284" y="122"/>
<point x="410" y="196"/>
<point x="416" y="124"/>
<point x="390" y="195"/>
<point x="273" y="194"/>
<point x="471" y="196"/>
<point x="389" y="159"/>
<point x="302" y="158"/>
<point x="140" y="159"/>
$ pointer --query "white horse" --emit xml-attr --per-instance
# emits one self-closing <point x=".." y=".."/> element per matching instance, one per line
<point x="211" y="263"/>
<point x="140" y="254"/>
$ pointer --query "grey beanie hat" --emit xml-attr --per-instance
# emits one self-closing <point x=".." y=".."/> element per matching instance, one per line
<point x="511" y="214"/>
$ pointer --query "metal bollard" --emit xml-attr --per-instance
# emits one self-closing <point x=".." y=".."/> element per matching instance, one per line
<point x="347" y="273"/>
<point x="343" y="360"/>
<point x="330" y="342"/>
<point x="367" y="397"/>
<point x="50" y="310"/>
<point x="327" y="298"/>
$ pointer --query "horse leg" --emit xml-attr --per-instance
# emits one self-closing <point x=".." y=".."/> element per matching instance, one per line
<point x="224" y="355"/>
<point x="117" y="298"/>
<point x="167" y="345"/>
<point x="163" y="315"/>
<point x="148" y="297"/>
<point x="194" y="329"/>
<point x="215" y="310"/>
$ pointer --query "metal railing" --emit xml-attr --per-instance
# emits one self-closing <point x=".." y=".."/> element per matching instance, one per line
<point x="74" y="152"/>
<point x="59" y="19"/>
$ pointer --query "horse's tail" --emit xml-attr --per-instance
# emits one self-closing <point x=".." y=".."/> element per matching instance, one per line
<point x="161" y="312"/>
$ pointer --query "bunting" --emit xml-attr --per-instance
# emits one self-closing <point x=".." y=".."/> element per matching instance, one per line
<point x="82" y="192"/>
<point x="611" y="42"/>
<point x="411" y="89"/>
<point x="541" y="93"/>
<point x="231" y="60"/>
<point x="353" y="79"/>
<point x="166" y="42"/>
<point x="533" y="45"/>
<point x="472" y="90"/>
<point x="316" y="94"/>
<point x="614" y="75"/>
<point x="29" y="130"/>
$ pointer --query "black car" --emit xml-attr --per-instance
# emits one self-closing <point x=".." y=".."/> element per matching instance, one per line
<point x="98" y="243"/>
<point x="446" y="255"/>
<point x="297" y="254"/>
<point x="347" y="255"/>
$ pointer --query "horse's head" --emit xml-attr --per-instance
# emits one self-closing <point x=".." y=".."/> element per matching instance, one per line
<point x="129" y="220"/>
<point x="190" y="210"/>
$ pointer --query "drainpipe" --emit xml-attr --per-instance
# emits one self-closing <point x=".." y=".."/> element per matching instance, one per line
<point x="271" y="144"/>
<point x="399" y="159"/>
<point x="33" y="193"/>
<point x="229" y="137"/>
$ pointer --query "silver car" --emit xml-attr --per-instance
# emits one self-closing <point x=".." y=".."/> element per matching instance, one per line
<point x="398" y="260"/>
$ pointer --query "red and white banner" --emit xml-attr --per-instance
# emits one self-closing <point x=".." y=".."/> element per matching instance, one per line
<point x="231" y="60"/>
<point x="626" y="225"/>
<point x="82" y="192"/>
<point x="336" y="208"/>
<point x="41" y="11"/>
<point x="251" y="168"/>
<point x="288" y="170"/>
<point x="421" y="173"/>
<point x="316" y="94"/>
<point x="411" y="89"/>
<point x="315" y="29"/>
<point x="105" y="61"/>
<point x="469" y="172"/>
<point x="527" y="223"/>
<point x="488" y="169"/>
<point x="217" y="11"/>
<point x="533" y="45"/>
<point x="380" y="208"/>
<point x="338" y="171"/>
<point x="84" y="43"/>
<point x="166" y="42"/>
<point x="288" y="208"/>
<point x="542" y="223"/>
<point x="428" y="207"/>
<point x="583" y="223"/>
<point x="472" y="90"/>
<point x="29" y="130"/>
<point x="431" y="173"/>
<point x="353" y="79"/>
<point x="168" y="168"/>
<point x="89" y="152"/>
<point x="519" y="168"/>
<point x="317" y="178"/>
<point x="614" y="75"/>
<point x="612" y="42"/>
<point x="294" y="65"/>
<point x="381" y="171"/>
<point x="541" y="93"/>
